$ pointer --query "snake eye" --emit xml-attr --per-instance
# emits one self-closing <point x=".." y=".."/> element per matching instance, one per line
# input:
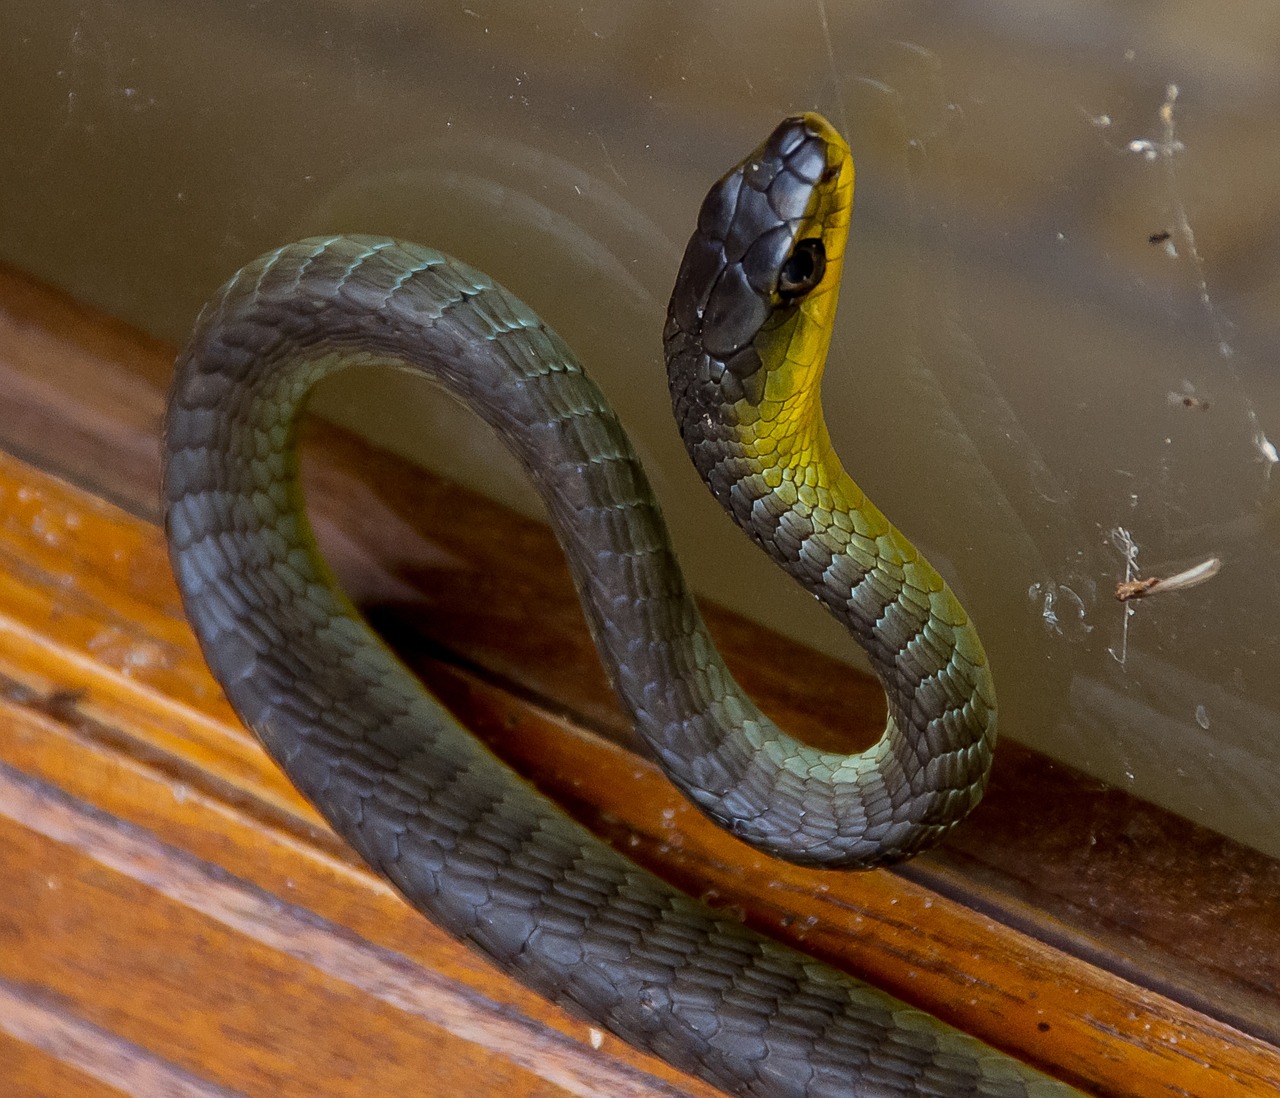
<point x="803" y="269"/>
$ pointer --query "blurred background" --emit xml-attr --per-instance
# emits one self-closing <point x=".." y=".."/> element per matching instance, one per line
<point x="1056" y="359"/>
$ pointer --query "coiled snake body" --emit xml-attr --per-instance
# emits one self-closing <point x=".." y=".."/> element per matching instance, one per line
<point x="428" y="807"/>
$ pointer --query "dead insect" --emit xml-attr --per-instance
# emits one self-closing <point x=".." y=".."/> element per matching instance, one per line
<point x="1155" y="585"/>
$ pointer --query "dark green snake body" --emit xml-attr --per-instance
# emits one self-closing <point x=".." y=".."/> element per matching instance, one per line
<point x="428" y="807"/>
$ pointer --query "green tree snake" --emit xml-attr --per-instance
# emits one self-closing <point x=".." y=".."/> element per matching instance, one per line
<point x="426" y="805"/>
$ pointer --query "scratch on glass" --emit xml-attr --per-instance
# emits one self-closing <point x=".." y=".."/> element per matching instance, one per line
<point x="1165" y="149"/>
<point x="1123" y="540"/>
<point x="825" y="23"/>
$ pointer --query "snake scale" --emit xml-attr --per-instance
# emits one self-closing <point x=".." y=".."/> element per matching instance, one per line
<point x="426" y="805"/>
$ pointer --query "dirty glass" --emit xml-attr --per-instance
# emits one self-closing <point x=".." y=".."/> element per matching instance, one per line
<point x="1056" y="359"/>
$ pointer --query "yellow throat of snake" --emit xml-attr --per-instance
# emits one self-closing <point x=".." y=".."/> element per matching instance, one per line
<point x="790" y="428"/>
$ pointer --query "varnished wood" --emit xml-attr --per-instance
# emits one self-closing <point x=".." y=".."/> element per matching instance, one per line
<point x="40" y="1049"/>
<point x="125" y="780"/>
<point x="128" y="793"/>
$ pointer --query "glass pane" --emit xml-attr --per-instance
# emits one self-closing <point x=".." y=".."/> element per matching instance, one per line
<point x="1055" y="363"/>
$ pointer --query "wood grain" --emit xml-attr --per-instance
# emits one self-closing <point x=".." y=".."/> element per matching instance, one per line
<point x="208" y="931"/>
<point x="40" y="1048"/>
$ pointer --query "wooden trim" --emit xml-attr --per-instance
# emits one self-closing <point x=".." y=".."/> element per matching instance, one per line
<point x="1064" y="922"/>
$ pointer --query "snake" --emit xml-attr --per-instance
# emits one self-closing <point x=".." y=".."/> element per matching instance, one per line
<point x="460" y="836"/>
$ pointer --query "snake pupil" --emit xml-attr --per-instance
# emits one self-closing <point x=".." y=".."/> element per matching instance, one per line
<point x="803" y="269"/>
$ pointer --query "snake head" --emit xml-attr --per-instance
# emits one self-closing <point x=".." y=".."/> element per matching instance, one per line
<point x="751" y="314"/>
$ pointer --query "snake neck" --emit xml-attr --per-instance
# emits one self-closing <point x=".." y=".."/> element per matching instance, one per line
<point x="760" y="441"/>
<point x="768" y="458"/>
